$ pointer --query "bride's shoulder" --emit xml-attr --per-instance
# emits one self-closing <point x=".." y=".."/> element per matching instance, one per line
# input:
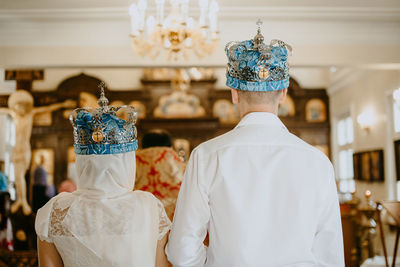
<point x="145" y="195"/>
<point x="61" y="199"/>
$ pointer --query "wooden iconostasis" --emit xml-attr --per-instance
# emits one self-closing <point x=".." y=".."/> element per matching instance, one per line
<point x="188" y="106"/>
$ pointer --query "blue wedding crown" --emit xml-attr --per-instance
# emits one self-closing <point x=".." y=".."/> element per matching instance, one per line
<point x="256" y="66"/>
<point x="100" y="131"/>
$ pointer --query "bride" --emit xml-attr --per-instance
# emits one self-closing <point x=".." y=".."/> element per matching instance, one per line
<point x="103" y="223"/>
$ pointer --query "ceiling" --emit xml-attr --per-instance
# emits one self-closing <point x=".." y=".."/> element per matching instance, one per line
<point x="56" y="4"/>
<point x="347" y="34"/>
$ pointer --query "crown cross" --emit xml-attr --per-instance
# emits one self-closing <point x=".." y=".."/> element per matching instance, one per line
<point x="103" y="101"/>
<point x="259" y="23"/>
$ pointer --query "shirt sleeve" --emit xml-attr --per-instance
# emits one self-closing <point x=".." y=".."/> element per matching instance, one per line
<point x="164" y="222"/>
<point x="185" y="246"/>
<point x="328" y="241"/>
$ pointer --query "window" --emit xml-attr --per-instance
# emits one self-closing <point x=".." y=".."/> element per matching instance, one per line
<point x="345" y="138"/>
<point x="396" y="117"/>
<point x="396" y="110"/>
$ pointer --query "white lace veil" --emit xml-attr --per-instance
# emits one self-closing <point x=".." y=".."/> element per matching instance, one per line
<point x="104" y="213"/>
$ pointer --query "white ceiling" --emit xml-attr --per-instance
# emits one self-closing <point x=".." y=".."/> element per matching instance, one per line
<point x="355" y="34"/>
<point x="56" y="4"/>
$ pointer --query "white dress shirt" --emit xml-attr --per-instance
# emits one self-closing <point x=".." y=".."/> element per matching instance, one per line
<point x="266" y="198"/>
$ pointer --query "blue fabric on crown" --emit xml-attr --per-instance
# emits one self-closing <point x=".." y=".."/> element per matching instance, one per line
<point x="256" y="86"/>
<point x="112" y="125"/>
<point x="251" y="59"/>
<point x="104" y="149"/>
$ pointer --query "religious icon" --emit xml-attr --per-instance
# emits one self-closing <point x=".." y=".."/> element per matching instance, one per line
<point x="315" y="110"/>
<point x="263" y="73"/>
<point x="182" y="148"/>
<point x="45" y="158"/>
<point x="397" y="158"/>
<point x="368" y="166"/>
<point x="225" y="111"/>
<point x="97" y="136"/>
<point x="87" y="100"/>
<point x="140" y="108"/>
<point x="287" y="108"/>
<point x="22" y="110"/>
<point x="179" y="104"/>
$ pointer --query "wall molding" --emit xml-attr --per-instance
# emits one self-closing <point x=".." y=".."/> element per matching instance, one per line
<point x="311" y="13"/>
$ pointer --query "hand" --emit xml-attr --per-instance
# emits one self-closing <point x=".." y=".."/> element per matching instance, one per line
<point x="69" y="103"/>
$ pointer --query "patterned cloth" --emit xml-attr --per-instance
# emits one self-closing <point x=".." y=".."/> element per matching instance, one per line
<point x="159" y="170"/>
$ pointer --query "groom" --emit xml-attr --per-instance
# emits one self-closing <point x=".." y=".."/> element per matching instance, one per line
<point x="265" y="197"/>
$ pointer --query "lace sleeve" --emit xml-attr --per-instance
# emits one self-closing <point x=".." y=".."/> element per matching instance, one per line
<point x="164" y="222"/>
<point x="45" y="238"/>
<point x="42" y="223"/>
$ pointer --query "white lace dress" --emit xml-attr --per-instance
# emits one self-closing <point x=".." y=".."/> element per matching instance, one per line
<point x="104" y="223"/>
<point x="127" y="239"/>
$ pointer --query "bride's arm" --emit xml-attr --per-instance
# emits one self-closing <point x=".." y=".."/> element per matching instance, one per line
<point x="161" y="258"/>
<point x="48" y="255"/>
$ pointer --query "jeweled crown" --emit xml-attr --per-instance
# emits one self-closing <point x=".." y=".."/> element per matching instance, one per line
<point x="101" y="131"/>
<point x="256" y="66"/>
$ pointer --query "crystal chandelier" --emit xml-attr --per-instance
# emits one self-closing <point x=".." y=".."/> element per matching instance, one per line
<point x="177" y="33"/>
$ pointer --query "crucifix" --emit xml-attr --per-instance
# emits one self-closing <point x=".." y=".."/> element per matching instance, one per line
<point x="22" y="111"/>
<point x="24" y="78"/>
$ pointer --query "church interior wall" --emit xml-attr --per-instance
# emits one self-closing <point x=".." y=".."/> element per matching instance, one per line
<point x="371" y="91"/>
<point x="93" y="38"/>
<point x="129" y="78"/>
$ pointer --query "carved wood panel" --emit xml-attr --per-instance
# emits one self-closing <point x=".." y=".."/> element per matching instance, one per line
<point x="84" y="89"/>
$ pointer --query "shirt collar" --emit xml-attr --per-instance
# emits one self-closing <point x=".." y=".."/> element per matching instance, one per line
<point x="261" y="118"/>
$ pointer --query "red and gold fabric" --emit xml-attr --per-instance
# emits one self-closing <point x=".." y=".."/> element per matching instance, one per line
<point x="160" y="170"/>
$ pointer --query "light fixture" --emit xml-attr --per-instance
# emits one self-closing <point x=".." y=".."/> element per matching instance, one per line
<point x="366" y="119"/>
<point x="396" y="96"/>
<point x="177" y="33"/>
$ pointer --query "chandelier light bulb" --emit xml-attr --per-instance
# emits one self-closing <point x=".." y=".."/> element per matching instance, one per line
<point x="134" y="13"/>
<point x="190" y="23"/>
<point x="150" y="24"/>
<point x="214" y="7"/>
<point x="142" y="5"/>
<point x="167" y="43"/>
<point x="188" y="42"/>
<point x="203" y="4"/>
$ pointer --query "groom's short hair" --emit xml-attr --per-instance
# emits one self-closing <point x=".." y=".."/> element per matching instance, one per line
<point x="257" y="98"/>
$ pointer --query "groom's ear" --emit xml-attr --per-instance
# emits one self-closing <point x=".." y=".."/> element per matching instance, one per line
<point x="235" y="96"/>
<point x="282" y="97"/>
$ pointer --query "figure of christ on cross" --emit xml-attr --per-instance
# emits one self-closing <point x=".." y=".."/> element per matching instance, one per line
<point x="22" y="111"/>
